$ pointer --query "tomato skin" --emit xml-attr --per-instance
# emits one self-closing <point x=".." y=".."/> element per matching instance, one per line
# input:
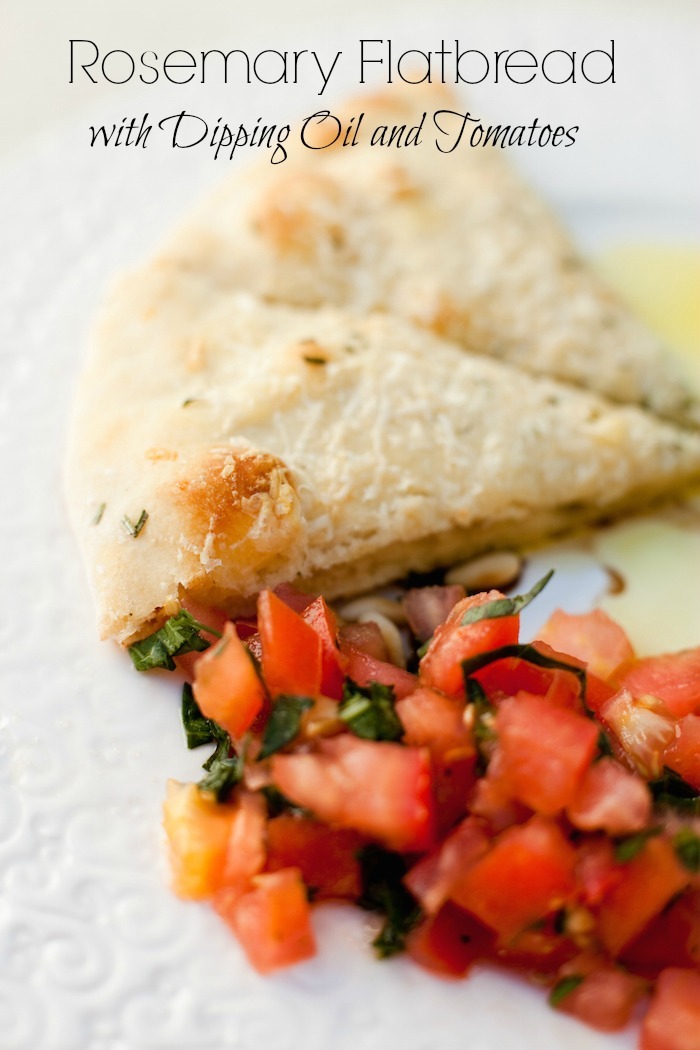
<point x="673" y="678"/>
<point x="291" y="649"/>
<point x="383" y="790"/>
<point x="642" y="732"/>
<point x="226" y="684"/>
<point x="610" y="798"/>
<point x="683" y="754"/>
<point x="333" y="663"/>
<point x="605" y="999"/>
<point x="537" y="859"/>
<point x="650" y="880"/>
<point x="198" y="831"/>
<point x="673" y="1019"/>
<point x="271" y="921"/>
<point x="245" y="849"/>
<point x="591" y="637"/>
<point x="449" y="942"/>
<point x="363" y="669"/>
<point x="542" y="752"/>
<point x="453" y="642"/>
<point x="325" y="856"/>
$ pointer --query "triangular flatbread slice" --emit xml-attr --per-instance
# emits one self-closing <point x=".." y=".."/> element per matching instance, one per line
<point x="267" y="443"/>
<point x="455" y="242"/>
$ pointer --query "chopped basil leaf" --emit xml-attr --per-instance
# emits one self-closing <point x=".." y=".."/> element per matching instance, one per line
<point x="482" y="728"/>
<point x="198" y="729"/>
<point x="629" y="848"/>
<point x="178" y="635"/>
<point x="563" y="988"/>
<point x="604" y="746"/>
<point x="368" y="711"/>
<point x="505" y="606"/>
<point x="224" y="772"/>
<point x="134" y="528"/>
<point x="422" y="649"/>
<point x="670" y="791"/>
<point x="98" y="514"/>
<point x="384" y="892"/>
<point x="284" y="723"/>
<point x="687" y="846"/>
<point x="523" y="652"/>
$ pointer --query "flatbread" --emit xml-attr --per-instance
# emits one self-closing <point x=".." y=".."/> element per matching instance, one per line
<point x="454" y="242"/>
<point x="271" y="443"/>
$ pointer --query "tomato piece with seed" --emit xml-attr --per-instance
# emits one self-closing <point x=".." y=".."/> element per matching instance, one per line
<point x="673" y="678"/>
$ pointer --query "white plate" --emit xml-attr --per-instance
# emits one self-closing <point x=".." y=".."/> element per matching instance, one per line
<point x="95" y="954"/>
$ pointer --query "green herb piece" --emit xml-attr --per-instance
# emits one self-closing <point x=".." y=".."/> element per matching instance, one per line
<point x="563" y="988"/>
<point x="505" y="606"/>
<point x="687" y="846"/>
<point x="523" y="652"/>
<point x="224" y="770"/>
<point x="284" y="723"/>
<point x="135" y="528"/>
<point x="369" y="712"/>
<point x="422" y="649"/>
<point x="310" y="360"/>
<point x="178" y="635"/>
<point x="190" y="401"/>
<point x="605" y="748"/>
<point x="198" y="729"/>
<point x="98" y="514"/>
<point x="482" y="726"/>
<point x="671" y="791"/>
<point x="384" y="892"/>
<point x="629" y="848"/>
<point x="278" y="803"/>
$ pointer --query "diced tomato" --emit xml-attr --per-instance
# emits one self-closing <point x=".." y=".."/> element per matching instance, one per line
<point x="291" y="649"/>
<point x="610" y="798"/>
<point x="226" y="684"/>
<point x="534" y="857"/>
<point x="597" y="871"/>
<point x="381" y="789"/>
<point x="505" y="678"/>
<point x="272" y="921"/>
<point x="642" y="732"/>
<point x="491" y="801"/>
<point x="433" y="877"/>
<point x="364" y="669"/>
<point x="198" y="831"/>
<point x="673" y="1019"/>
<point x="591" y="637"/>
<point x="543" y="751"/>
<point x="453" y="642"/>
<point x="333" y="663"/>
<point x="683" y="754"/>
<point x="435" y="721"/>
<point x="325" y="856"/>
<point x="673" y="679"/>
<point x="605" y="999"/>
<point x="203" y="614"/>
<point x="245" y="850"/>
<point x="671" y="939"/>
<point x="597" y="693"/>
<point x="650" y="880"/>
<point x="448" y="943"/>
